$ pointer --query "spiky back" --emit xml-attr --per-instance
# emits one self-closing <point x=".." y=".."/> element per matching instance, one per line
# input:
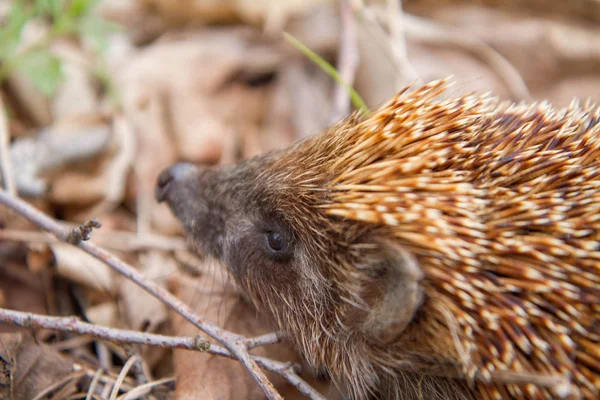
<point x="501" y="206"/>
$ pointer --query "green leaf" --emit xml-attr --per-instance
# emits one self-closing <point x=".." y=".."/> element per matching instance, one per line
<point x="52" y="8"/>
<point x="80" y="8"/>
<point x="10" y="33"/>
<point x="62" y="22"/>
<point x="329" y="69"/>
<point x="44" y="70"/>
<point x="96" y="30"/>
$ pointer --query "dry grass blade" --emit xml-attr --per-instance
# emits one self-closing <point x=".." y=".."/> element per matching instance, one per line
<point x="124" y="371"/>
<point x="144" y="389"/>
<point x="93" y="384"/>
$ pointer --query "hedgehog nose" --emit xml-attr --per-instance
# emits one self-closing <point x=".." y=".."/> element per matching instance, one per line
<point x="169" y="176"/>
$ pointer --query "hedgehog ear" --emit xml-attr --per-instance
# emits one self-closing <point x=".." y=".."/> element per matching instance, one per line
<point x="394" y="293"/>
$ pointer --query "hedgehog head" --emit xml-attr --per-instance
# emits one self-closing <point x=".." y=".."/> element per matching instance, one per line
<point x="265" y="220"/>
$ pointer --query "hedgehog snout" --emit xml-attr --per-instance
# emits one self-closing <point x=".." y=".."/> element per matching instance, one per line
<point x="169" y="177"/>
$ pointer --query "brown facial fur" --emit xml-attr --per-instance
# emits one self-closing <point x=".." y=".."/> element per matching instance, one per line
<point x="434" y="239"/>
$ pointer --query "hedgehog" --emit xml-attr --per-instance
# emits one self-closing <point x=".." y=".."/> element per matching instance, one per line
<point x="441" y="247"/>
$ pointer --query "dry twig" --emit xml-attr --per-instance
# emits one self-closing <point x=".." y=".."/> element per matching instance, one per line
<point x="347" y="63"/>
<point x="73" y="325"/>
<point x="392" y="41"/>
<point x="115" y="240"/>
<point x="269" y="338"/>
<point x="84" y="231"/>
<point x="234" y="343"/>
<point x="398" y="41"/>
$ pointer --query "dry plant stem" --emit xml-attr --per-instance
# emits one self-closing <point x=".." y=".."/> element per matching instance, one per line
<point x="84" y="231"/>
<point x="146" y="388"/>
<point x="398" y="41"/>
<point x="74" y="325"/>
<point x="269" y="338"/>
<point x="5" y="164"/>
<point x="367" y="18"/>
<point x="115" y="240"/>
<point x="124" y="371"/>
<point x="233" y="342"/>
<point x="348" y="61"/>
<point x="93" y="384"/>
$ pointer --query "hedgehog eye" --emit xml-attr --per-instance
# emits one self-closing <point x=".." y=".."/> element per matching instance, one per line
<point x="275" y="241"/>
<point x="278" y="245"/>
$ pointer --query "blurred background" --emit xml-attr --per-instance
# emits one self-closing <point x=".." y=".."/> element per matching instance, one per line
<point x="98" y="96"/>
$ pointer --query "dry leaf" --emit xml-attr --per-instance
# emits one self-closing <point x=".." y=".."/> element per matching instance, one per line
<point x="105" y="314"/>
<point x="35" y="367"/>
<point x="145" y="312"/>
<point x="39" y="257"/>
<point x="23" y="290"/>
<point x="78" y="266"/>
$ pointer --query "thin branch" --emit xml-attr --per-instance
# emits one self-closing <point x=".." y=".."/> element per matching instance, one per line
<point x="74" y="325"/>
<point x="115" y="240"/>
<point x="269" y="338"/>
<point x="398" y="41"/>
<point x="5" y="163"/>
<point x="233" y="342"/>
<point x="347" y="62"/>
<point x="394" y="53"/>
<point x="84" y="231"/>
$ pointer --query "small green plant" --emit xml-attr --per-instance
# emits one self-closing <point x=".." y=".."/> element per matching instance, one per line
<point x="66" y="18"/>
<point x="330" y="70"/>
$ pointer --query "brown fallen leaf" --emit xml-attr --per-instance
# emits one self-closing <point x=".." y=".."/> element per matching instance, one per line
<point x="143" y="311"/>
<point x="30" y="368"/>
<point x="104" y="314"/>
<point x="23" y="290"/>
<point x="8" y="365"/>
<point x="72" y="263"/>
